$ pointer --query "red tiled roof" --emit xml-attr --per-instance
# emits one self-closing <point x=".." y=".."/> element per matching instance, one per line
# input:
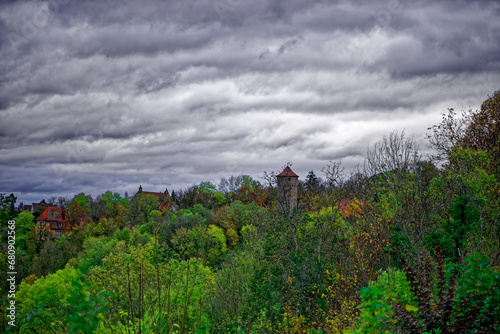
<point x="55" y="218"/>
<point x="287" y="172"/>
<point x="52" y="213"/>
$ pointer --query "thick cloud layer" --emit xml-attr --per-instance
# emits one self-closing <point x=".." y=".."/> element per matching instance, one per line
<point x="107" y="95"/>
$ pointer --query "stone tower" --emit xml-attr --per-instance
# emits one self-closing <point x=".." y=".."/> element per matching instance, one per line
<point x="288" y="183"/>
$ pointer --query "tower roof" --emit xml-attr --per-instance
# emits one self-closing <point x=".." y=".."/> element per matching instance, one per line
<point x="287" y="172"/>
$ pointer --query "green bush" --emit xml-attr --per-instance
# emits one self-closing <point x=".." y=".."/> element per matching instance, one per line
<point x="461" y="299"/>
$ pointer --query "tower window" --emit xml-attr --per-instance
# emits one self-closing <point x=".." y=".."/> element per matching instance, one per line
<point x="289" y="179"/>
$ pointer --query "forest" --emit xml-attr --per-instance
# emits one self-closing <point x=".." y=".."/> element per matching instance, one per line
<point x="402" y="244"/>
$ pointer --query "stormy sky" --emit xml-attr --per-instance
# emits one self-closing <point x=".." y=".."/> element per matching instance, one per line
<point x="108" y="95"/>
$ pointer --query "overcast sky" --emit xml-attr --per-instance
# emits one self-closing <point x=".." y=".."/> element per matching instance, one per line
<point x="108" y="95"/>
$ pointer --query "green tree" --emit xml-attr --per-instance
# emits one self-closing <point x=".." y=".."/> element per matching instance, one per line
<point x="147" y="296"/>
<point x="24" y="225"/>
<point x="85" y="201"/>
<point x="312" y="182"/>
<point x="231" y="294"/>
<point x="464" y="196"/>
<point x="141" y="206"/>
<point x="7" y="207"/>
<point x="483" y="131"/>
<point x="54" y="255"/>
<point x="208" y="195"/>
<point x="88" y="308"/>
<point x="43" y="306"/>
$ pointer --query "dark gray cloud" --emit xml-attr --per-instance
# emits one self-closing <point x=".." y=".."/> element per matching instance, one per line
<point x="107" y="95"/>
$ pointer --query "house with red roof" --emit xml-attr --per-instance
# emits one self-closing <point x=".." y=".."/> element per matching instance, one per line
<point x="54" y="221"/>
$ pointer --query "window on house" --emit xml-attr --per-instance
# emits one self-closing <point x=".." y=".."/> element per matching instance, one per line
<point x="57" y="233"/>
<point x="42" y="223"/>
